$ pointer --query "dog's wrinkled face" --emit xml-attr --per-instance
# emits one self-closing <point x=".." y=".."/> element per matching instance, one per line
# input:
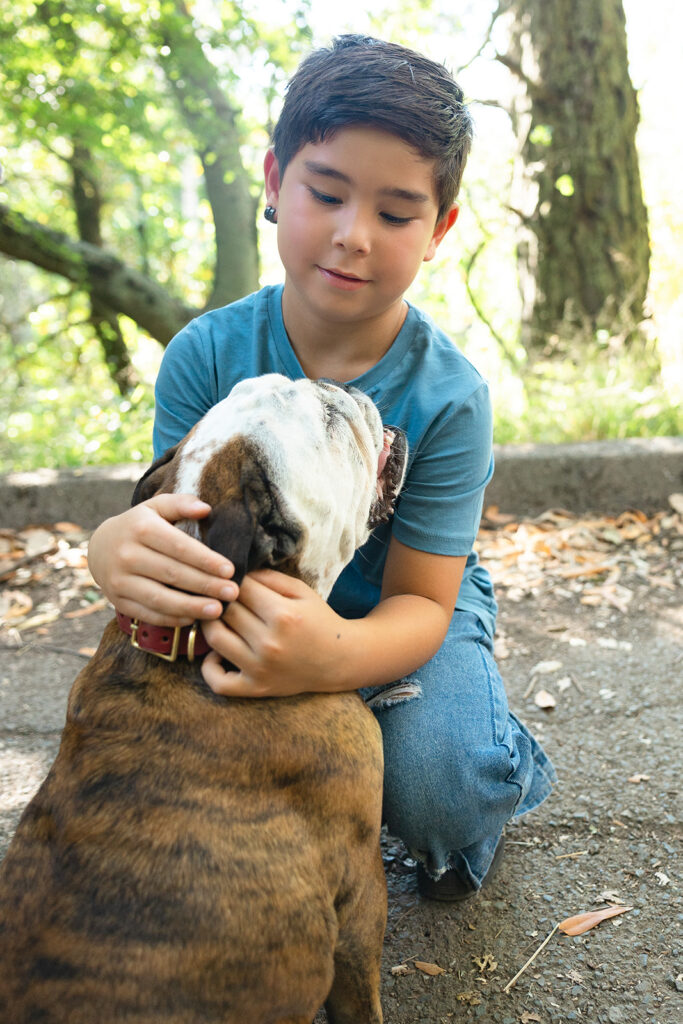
<point x="297" y="473"/>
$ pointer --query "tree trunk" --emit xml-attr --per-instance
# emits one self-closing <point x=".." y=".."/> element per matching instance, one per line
<point x="212" y="120"/>
<point x="584" y="249"/>
<point x="105" y="320"/>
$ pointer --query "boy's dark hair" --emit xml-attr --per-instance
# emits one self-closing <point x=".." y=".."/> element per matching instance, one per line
<point x="361" y="80"/>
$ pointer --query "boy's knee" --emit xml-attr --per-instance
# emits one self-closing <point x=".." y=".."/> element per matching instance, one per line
<point x="461" y="795"/>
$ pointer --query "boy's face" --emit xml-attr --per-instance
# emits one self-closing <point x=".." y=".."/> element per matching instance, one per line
<point x="357" y="215"/>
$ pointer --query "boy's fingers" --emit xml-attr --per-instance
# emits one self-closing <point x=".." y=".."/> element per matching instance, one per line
<point x="246" y="624"/>
<point x="166" y="539"/>
<point x="175" y="572"/>
<point x="288" y="586"/>
<point x="162" y="606"/>
<point x="178" y="506"/>
<point x="227" y="644"/>
<point x="228" y="683"/>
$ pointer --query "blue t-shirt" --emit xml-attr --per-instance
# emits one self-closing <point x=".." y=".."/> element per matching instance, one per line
<point x="423" y="384"/>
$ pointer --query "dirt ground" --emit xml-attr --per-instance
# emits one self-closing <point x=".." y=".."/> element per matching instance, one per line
<point x="591" y="647"/>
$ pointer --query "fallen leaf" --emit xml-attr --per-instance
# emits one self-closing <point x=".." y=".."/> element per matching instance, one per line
<point x="431" y="969"/>
<point x="485" y="962"/>
<point x="36" y="541"/>
<point x="39" y="620"/>
<point x="545" y="667"/>
<point x="527" y="1017"/>
<point x="610" y="896"/>
<point x="96" y="606"/>
<point x="471" y="998"/>
<point x="14" y="604"/>
<point x="545" y="700"/>
<point x="581" y="923"/>
<point x="400" y="970"/>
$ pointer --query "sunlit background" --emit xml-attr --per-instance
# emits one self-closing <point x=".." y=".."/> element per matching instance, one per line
<point x="49" y="416"/>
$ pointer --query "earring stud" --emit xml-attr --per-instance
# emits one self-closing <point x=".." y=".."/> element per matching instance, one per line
<point x="270" y="213"/>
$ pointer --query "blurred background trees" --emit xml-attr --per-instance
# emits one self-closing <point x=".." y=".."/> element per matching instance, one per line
<point x="132" y="136"/>
<point x="583" y="246"/>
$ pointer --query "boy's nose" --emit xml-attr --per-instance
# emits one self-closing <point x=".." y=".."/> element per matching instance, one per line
<point x="352" y="232"/>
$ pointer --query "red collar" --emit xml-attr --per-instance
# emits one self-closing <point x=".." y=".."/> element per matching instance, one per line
<point x="166" y="642"/>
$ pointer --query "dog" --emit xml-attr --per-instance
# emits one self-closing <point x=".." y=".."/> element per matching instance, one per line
<point x="194" y="859"/>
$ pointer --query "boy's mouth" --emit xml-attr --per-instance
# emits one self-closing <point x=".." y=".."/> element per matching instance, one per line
<point x="342" y="279"/>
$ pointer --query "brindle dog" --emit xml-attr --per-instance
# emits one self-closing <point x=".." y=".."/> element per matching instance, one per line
<point x="192" y="859"/>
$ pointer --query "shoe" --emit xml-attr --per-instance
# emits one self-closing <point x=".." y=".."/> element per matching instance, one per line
<point x="450" y="887"/>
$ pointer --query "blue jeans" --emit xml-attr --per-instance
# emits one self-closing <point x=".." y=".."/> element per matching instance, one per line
<point x="457" y="763"/>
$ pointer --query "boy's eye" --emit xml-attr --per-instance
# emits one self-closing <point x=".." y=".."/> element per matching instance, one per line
<point x="323" y="197"/>
<point x="391" y="219"/>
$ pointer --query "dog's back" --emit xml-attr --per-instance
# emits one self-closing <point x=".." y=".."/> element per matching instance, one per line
<point x="190" y="858"/>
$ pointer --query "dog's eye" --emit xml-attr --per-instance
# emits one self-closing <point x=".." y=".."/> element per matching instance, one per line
<point x="331" y="414"/>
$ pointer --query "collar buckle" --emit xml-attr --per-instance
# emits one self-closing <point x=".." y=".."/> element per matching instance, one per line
<point x="172" y="654"/>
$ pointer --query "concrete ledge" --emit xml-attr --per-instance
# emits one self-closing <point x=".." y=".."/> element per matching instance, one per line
<point x="598" y="476"/>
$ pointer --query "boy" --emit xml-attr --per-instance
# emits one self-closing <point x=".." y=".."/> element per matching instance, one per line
<point x="361" y="181"/>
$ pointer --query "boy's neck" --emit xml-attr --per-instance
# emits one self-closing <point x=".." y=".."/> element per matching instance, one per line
<point x="336" y="349"/>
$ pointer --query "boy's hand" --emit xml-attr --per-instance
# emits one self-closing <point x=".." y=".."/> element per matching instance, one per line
<point x="282" y="637"/>
<point x="154" y="572"/>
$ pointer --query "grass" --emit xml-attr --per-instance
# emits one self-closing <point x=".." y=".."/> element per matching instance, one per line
<point x="593" y="391"/>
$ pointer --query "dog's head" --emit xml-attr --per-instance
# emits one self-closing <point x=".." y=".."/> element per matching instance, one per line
<point x="296" y="472"/>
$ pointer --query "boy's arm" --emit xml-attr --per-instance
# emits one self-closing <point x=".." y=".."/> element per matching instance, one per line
<point x="285" y="639"/>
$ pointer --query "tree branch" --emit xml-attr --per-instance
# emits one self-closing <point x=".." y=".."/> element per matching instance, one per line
<point x="123" y="289"/>
<point x="509" y="354"/>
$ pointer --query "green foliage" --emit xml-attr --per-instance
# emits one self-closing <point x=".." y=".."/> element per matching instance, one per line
<point x="58" y="406"/>
<point x="101" y="75"/>
<point x="602" y="392"/>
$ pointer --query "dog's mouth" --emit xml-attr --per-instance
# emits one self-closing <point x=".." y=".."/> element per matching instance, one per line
<point x="391" y="471"/>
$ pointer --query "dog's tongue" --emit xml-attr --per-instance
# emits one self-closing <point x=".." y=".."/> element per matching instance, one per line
<point x="389" y="436"/>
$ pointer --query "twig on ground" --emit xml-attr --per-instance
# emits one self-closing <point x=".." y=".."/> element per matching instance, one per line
<point x="531" y="959"/>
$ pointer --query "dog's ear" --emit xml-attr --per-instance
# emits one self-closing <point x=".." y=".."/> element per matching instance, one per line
<point x="390" y="476"/>
<point x="252" y="532"/>
<point x="154" y="479"/>
<point x="229" y="530"/>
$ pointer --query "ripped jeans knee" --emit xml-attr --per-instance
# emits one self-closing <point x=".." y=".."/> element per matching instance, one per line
<point x="378" y="697"/>
<point x="458" y="764"/>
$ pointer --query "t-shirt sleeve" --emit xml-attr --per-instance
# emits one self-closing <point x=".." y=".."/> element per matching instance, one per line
<point x="441" y="503"/>
<point x="185" y="388"/>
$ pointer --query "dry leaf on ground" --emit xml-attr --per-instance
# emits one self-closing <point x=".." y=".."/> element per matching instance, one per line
<point x="431" y="969"/>
<point x="469" y="998"/>
<point x="14" y="604"/>
<point x="545" y="700"/>
<point x="580" y="923"/>
<point x="485" y="962"/>
<point x="96" y="606"/>
<point x="401" y="969"/>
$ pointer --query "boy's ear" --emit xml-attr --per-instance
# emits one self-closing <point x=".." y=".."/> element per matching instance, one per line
<point x="271" y="174"/>
<point x="442" y="228"/>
